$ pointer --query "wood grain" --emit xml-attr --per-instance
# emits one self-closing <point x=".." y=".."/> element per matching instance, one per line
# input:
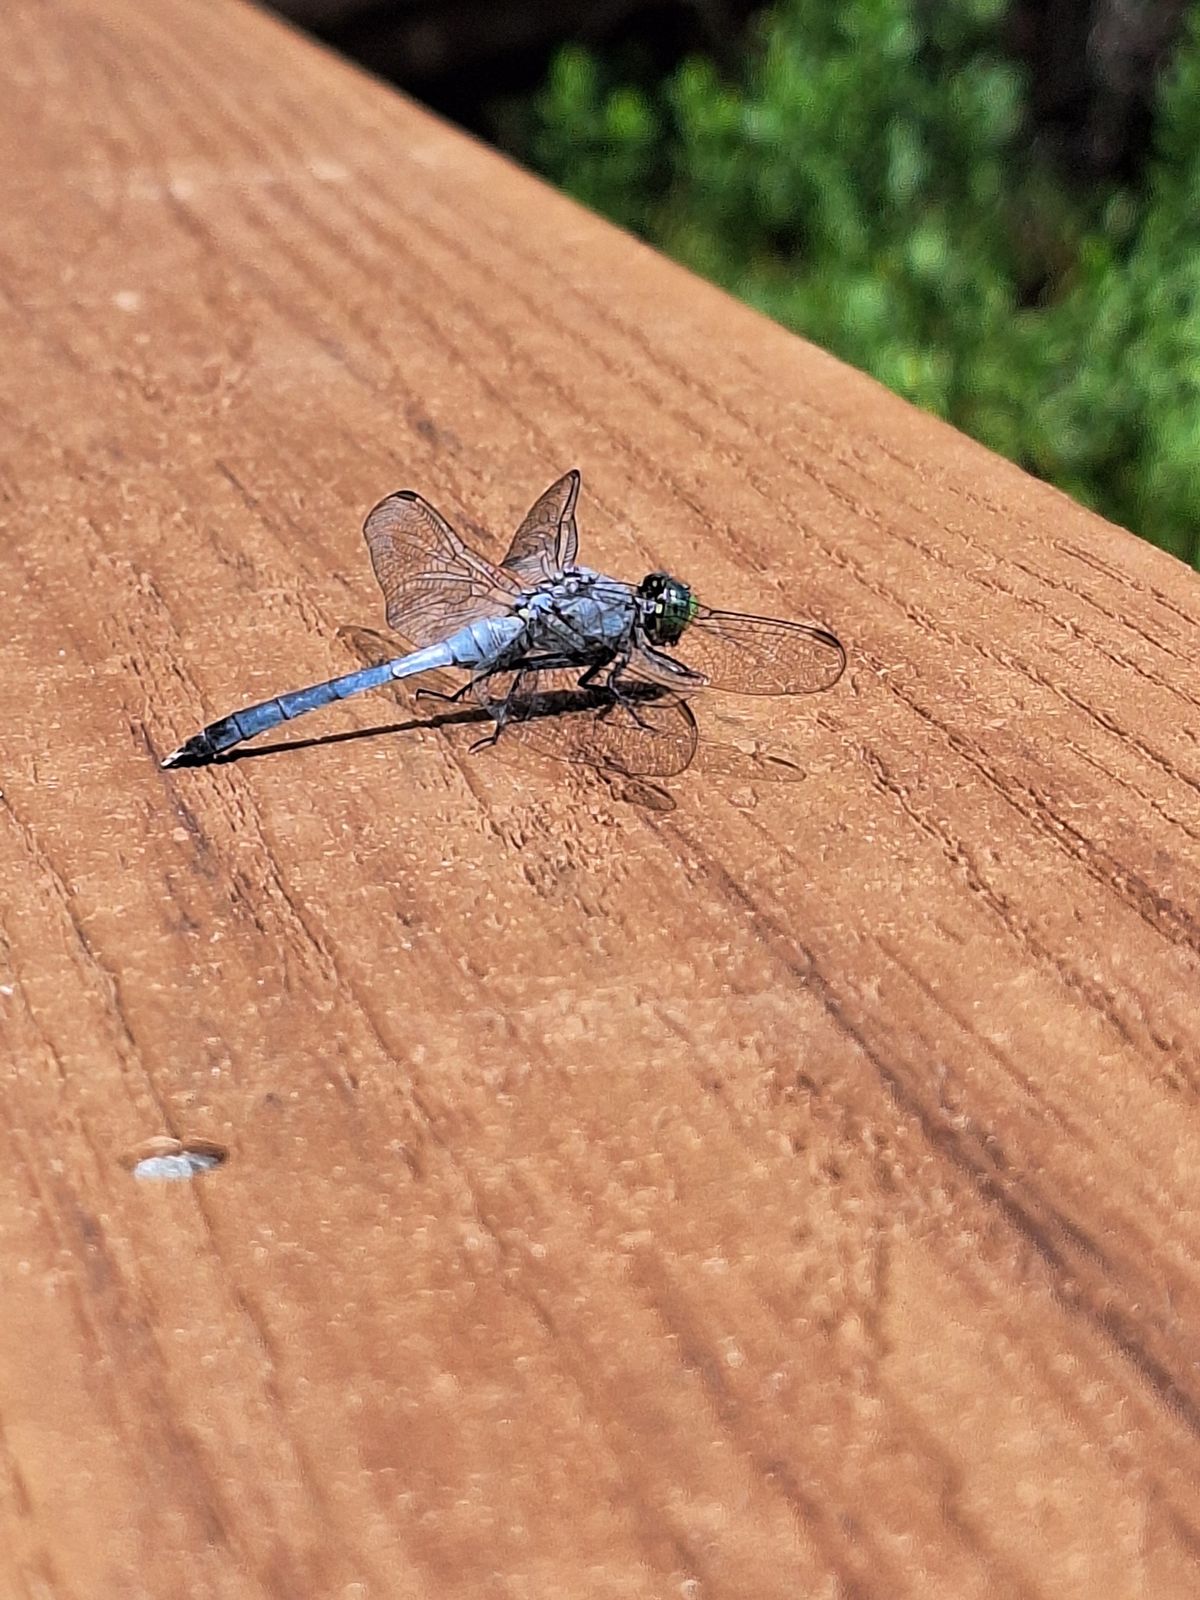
<point x="793" y="1192"/>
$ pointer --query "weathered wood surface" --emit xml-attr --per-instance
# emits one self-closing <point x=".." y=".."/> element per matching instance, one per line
<point x="793" y="1193"/>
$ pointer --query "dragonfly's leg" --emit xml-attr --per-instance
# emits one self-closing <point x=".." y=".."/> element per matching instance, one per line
<point x="543" y="663"/>
<point x="630" y="706"/>
<point x="622" y="696"/>
<point x="586" y="680"/>
<point x="440" y="694"/>
<point x="522" y="672"/>
<point x="498" y="710"/>
<point x="613" y="683"/>
<point x="491" y="672"/>
<point x="470" y="685"/>
<point x="616" y="665"/>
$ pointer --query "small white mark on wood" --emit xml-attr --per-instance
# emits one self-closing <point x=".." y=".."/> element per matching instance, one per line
<point x="163" y="1159"/>
<point x="328" y="171"/>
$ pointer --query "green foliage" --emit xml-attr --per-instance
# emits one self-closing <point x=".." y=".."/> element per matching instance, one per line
<point x="869" y="180"/>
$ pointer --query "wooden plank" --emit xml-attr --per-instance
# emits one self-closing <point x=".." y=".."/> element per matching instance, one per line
<point x="790" y="1193"/>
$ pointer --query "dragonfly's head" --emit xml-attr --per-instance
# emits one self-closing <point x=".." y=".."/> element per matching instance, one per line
<point x="667" y="606"/>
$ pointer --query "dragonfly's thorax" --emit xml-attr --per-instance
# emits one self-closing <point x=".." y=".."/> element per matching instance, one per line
<point x="581" y="614"/>
<point x="666" y="607"/>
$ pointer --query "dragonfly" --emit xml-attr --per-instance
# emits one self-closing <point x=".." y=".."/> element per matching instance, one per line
<point x="594" y="669"/>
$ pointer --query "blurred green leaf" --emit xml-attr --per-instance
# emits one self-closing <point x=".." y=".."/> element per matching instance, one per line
<point x="868" y="177"/>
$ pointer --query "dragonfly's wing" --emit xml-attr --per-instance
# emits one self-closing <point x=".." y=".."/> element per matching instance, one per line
<point x="547" y="541"/>
<point x="432" y="583"/>
<point x="648" y="665"/>
<point x="651" y="733"/>
<point x="553" y="714"/>
<point x="751" y="655"/>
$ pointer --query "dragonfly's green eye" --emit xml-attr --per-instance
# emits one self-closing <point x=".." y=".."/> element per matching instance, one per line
<point x="667" y="607"/>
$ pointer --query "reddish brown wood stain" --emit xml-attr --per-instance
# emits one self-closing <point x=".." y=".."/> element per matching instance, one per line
<point x="790" y="1194"/>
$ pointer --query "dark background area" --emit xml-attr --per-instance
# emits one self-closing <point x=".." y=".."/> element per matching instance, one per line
<point x="463" y="56"/>
<point x="1092" y="64"/>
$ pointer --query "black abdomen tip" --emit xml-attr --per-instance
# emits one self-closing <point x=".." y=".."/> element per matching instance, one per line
<point x="194" y="752"/>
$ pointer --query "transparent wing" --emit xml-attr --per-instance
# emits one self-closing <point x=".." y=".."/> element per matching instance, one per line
<point x="432" y="583"/>
<point x="649" y="732"/>
<point x="649" y="665"/>
<point x="548" y="540"/>
<point x="751" y="655"/>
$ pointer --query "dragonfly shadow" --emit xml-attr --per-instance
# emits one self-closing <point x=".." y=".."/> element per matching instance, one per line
<point x="470" y="717"/>
<point x="569" y="722"/>
<point x="548" y="707"/>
